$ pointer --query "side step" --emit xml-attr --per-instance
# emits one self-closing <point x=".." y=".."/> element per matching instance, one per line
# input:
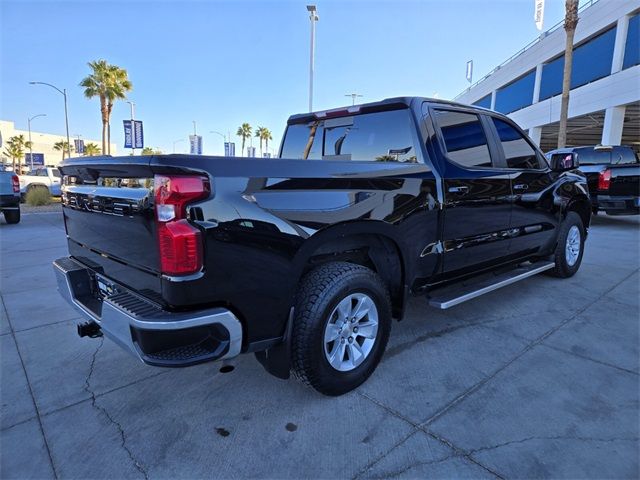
<point x="451" y="296"/>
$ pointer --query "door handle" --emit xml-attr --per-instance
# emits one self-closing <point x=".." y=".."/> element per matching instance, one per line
<point x="462" y="189"/>
<point x="521" y="186"/>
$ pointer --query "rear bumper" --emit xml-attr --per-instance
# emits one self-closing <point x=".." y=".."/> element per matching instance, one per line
<point x="627" y="205"/>
<point x="9" y="202"/>
<point x="156" y="336"/>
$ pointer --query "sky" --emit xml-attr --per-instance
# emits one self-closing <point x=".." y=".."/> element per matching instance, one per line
<point x="222" y="63"/>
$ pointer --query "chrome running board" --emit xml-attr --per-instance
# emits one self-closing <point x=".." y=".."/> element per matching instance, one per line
<point x="451" y="296"/>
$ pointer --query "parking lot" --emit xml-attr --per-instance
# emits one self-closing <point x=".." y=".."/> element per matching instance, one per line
<point x="539" y="379"/>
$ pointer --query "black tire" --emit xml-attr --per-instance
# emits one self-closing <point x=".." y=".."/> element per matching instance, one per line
<point x="563" y="269"/>
<point x="12" y="216"/>
<point x="318" y="296"/>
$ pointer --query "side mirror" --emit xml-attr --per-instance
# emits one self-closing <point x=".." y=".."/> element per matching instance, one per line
<point x="561" y="162"/>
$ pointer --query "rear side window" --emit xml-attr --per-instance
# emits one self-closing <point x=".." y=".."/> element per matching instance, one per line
<point x="518" y="152"/>
<point x="55" y="172"/>
<point x="464" y="138"/>
<point x="623" y="155"/>
<point x="380" y="136"/>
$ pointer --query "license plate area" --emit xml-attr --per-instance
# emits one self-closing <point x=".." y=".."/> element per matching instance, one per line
<point x="104" y="287"/>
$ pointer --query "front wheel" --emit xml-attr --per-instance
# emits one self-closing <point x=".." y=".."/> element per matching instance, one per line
<point x="341" y="327"/>
<point x="570" y="247"/>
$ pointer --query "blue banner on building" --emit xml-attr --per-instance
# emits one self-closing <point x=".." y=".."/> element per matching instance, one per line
<point x="38" y="159"/>
<point x="229" y="149"/>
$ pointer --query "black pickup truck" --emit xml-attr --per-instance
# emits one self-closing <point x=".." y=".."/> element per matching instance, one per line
<point x="305" y="259"/>
<point x="613" y="176"/>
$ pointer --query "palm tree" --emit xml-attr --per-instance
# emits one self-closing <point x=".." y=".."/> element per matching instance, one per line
<point x="259" y="134"/>
<point x="91" y="149"/>
<point x="244" y="131"/>
<point x="570" y="23"/>
<point x="63" y="147"/>
<point x="151" y="151"/>
<point x="109" y="83"/>
<point x="266" y="136"/>
<point x="15" y="150"/>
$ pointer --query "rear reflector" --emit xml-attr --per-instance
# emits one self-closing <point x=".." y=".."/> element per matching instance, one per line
<point x="15" y="183"/>
<point x="604" y="180"/>
<point x="180" y="242"/>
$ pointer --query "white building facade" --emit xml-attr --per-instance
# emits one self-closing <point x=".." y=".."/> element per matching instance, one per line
<point x="604" y="106"/>
<point x="42" y="144"/>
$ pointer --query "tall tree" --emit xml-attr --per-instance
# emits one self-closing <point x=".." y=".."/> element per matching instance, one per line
<point x="266" y="136"/>
<point x="260" y="135"/>
<point x="570" y="24"/>
<point x="244" y="132"/>
<point x="15" y="150"/>
<point x="109" y="83"/>
<point x="91" y="149"/>
<point x="63" y="147"/>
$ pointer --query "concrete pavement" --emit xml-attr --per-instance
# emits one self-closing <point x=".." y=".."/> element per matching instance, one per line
<point x="539" y="379"/>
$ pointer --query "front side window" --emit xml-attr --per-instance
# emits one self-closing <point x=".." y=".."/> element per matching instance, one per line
<point x="518" y="152"/>
<point x="464" y="138"/>
<point x="379" y="136"/>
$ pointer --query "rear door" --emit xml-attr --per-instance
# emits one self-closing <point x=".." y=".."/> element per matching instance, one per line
<point x="477" y="192"/>
<point x="533" y="221"/>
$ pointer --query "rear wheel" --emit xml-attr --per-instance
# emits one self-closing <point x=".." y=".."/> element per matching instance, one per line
<point x="342" y="325"/>
<point x="570" y="247"/>
<point x="12" y="216"/>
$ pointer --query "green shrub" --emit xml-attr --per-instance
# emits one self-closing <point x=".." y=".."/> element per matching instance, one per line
<point x="38" y="196"/>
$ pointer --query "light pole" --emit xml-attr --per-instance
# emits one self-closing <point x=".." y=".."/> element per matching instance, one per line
<point x="66" y="116"/>
<point x="174" y="144"/>
<point x="313" y="16"/>
<point x="224" y="137"/>
<point x="133" y="129"/>
<point x="353" y="97"/>
<point x="30" y="146"/>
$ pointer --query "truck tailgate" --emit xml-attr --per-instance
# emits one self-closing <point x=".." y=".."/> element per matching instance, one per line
<point x="110" y="222"/>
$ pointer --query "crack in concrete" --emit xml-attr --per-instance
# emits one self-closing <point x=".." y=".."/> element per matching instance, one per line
<point x="557" y="437"/>
<point x="369" y="465"/>
<point x="459" y="452"/>
<point x="410" y="466"/>
<point x="94" y="404"/>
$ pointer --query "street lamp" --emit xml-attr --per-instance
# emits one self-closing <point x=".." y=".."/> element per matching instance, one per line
<point x="66" y="116"/>
<point x="133" y="129"/>
<point x="174" y="144"/>
<point x="353" y="97"/>
<point x="224" y="137"/>
<point x="313" y="16"/>
<point x="30" y="146"/>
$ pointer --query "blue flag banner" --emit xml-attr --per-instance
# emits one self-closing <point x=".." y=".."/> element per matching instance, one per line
<point x="79" y="144"/>
<point x="133" y="134"/>
<point x="195" y="142"/>
<point x="138" y="134"/>
<point x="128" y="134"/>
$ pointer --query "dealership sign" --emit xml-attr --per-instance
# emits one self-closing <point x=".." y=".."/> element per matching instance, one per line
<point x="38" y="159"/>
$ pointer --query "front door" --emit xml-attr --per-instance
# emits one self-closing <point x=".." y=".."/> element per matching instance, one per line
<point x="477" y="193"/>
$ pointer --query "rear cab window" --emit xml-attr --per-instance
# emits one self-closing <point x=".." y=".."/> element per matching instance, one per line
<point x="387" y="136"/>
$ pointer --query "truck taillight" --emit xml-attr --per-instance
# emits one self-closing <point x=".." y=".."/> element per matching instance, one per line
<point x="15" y="183"/>
<point x="180" y="242"/>
<point x="604" y="180"/>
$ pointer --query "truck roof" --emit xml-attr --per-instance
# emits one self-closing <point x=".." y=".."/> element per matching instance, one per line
<point x="386" y="104"/>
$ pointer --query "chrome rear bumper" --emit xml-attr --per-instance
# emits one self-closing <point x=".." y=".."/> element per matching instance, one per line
<point x="155" y="336"/>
